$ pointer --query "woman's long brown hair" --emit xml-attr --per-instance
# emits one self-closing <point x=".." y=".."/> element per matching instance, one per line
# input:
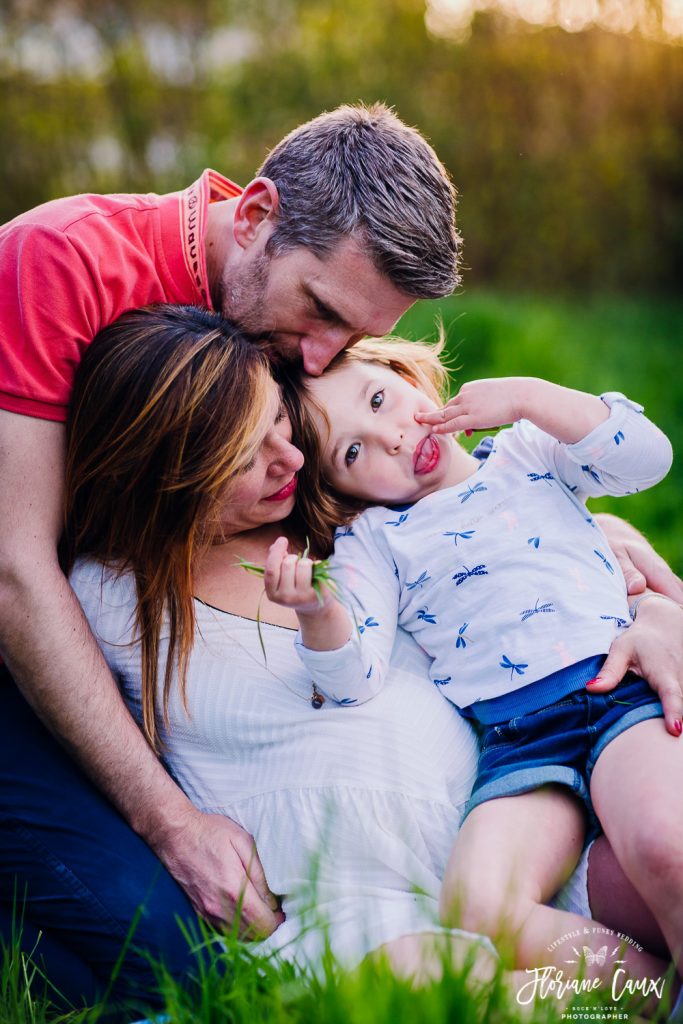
<point x="169" y="404"/>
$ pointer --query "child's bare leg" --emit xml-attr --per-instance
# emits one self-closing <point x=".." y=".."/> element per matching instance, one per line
<point x="422" y="957"/>
<point x="512" y="855"/>
<point x="637" y="791"/>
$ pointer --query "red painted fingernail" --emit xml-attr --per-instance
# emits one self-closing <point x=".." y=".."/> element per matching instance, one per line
<point x="678" y="726"/>
<point x="591" y="681"/>
<point x="468" y="433"/>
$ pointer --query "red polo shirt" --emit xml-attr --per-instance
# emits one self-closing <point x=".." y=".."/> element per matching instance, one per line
<point x="72" y="266"/>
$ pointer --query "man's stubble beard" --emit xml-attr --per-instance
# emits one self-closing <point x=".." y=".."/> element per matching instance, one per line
<point x="243" y="297"/>
<point x="243" y="300"/>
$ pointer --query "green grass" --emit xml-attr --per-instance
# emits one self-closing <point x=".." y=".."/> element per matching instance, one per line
<point x="236" y="987"/>
<point x="604" y="344"/>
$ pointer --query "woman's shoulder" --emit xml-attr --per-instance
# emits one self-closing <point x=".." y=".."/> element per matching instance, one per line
<point x="98" y="584"/>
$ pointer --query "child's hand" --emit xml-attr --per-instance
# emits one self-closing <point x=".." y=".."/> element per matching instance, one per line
<point x="480" y="405"/>
<point x="288" y="580"/>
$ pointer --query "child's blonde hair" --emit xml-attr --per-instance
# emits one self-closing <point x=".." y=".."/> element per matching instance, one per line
<point x="320" y="508"/>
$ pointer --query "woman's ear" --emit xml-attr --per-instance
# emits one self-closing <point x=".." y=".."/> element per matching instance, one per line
<point x="256" y="211"/>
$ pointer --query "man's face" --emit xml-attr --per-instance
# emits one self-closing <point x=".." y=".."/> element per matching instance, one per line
<point x="312" y="308"/>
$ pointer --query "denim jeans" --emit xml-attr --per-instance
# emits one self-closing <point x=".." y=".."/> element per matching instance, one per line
<point x="76" y="875"/>
<point x="559" y="743"/>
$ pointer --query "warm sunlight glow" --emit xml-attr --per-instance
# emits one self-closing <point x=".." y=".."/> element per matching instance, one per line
<point x="662" y="21"/>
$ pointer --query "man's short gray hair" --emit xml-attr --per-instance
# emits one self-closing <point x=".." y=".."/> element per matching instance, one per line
<point x="359" y="171"/>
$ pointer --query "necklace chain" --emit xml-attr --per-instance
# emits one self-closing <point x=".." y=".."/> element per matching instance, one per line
<point x="316" y="700"/>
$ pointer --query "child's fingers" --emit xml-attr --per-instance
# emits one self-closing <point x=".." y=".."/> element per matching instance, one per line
<point x="295" y="588"/>
<point x="449" y="421"/>
<point x="288" y="572"/>
<point x="439" y="416"/>
<point x="273" y="567"/>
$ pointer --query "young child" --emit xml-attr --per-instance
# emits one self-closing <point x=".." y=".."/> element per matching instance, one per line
<point x="501" y="574"/>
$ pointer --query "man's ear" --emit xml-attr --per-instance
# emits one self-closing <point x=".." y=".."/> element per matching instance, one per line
<point x="255" y="212"/>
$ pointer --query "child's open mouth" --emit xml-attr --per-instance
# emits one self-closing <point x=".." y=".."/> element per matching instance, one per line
<point x="427" y="455"/>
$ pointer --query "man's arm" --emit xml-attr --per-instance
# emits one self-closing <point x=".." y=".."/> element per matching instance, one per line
<point x="641" y="565"/>
<point x="51" y="653"/>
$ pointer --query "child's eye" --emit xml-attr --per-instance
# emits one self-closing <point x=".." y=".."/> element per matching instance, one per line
<point x="352" y="453"/>
<point x="377" y="400"/>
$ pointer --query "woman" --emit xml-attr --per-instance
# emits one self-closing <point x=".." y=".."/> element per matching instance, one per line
<point x="158" y="515"/>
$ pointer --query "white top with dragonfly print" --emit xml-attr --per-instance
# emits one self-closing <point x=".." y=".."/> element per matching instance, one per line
<point x="504" y="579"/>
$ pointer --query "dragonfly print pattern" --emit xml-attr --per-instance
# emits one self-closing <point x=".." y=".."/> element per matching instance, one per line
<point x="518" y="668"/>
<point x="470" y="492"/>
<point x="464" y="535"/>
<point x="461" y="577"/>
<point x="547" y="608"/>
<point x="419" y="582"/>
<point x="537" y="477"/>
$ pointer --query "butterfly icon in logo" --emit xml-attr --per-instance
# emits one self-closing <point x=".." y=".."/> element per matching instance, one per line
<point x="597" y="958"/>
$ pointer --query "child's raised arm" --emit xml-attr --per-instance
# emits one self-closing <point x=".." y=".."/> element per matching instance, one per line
<point x="565" y="414"/>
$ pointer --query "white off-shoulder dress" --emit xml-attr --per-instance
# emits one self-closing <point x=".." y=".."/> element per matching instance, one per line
<point x="354" y="812"/>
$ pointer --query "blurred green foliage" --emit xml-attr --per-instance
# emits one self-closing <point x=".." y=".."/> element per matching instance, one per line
<point x="603" y="344"/>
<point x="567" y="149"/>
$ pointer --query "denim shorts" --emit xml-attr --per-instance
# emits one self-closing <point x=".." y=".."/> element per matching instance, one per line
<point x="559" y="743"/>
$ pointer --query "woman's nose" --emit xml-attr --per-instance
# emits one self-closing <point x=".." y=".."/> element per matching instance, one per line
<point x="287" y="458"/>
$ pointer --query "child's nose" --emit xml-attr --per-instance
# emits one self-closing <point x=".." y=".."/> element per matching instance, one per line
<point x="395" y="442"/>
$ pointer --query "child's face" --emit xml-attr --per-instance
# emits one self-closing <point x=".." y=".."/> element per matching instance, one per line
<point x="374" y="449"/>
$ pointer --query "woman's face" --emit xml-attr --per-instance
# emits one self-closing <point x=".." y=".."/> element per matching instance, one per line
<point x="265" y="491"/>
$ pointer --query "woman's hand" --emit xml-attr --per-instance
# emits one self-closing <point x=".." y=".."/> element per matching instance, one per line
<point x="653" y="648"/>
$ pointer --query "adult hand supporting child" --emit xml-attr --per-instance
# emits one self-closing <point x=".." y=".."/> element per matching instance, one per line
<point x="639" y="648"/>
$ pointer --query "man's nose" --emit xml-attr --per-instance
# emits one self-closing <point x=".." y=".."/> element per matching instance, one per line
<point x="318" y="352"/>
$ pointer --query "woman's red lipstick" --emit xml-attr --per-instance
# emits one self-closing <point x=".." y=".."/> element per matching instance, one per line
<point x="284" y="492"/>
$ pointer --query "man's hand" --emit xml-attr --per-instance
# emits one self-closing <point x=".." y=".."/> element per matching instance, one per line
<point x="641" y="565"/>
<point x="215" y="862"/>
<point x="652" y="648"/>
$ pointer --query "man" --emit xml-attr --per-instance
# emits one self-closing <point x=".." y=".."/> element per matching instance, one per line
<point x="350" y="219"/>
